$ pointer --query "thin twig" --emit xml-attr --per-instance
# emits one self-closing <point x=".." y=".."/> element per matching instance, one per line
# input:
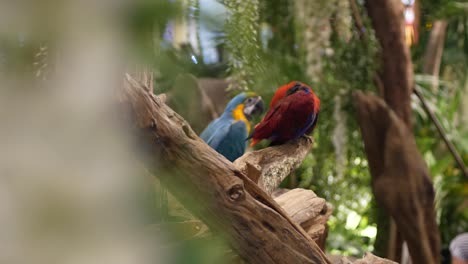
<point x="208" y="102"/>
<point x="436" y="122"/>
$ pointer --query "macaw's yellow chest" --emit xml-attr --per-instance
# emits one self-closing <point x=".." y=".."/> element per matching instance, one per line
<point x="238" y="115"/>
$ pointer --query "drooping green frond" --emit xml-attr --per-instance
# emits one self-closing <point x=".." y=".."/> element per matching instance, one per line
<point x="242" y="42"/>
<point x="314" y="19"/>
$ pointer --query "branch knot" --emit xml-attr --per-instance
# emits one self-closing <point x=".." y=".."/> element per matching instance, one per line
<point x="236" y="193"/>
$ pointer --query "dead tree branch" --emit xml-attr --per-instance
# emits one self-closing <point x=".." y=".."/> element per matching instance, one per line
<point x="367" y="259"/>
<point x="217" y="192"/>
<point x="308" y="210"/>
<point x="270" y="166"/>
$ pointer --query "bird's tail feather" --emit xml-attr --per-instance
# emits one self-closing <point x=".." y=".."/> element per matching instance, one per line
<point x="254" y="140"/>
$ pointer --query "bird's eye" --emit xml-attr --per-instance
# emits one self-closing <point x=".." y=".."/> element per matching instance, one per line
<point x="249" y="100"/>
<point x="294" y="89"/>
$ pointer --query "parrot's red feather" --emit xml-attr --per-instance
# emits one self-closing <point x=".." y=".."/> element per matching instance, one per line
<point x="290" y="116"/>
<point x="281" y="93"/>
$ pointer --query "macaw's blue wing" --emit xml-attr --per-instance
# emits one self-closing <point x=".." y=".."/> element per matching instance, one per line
<point x="227" y="137"/>
<point x="216" y="131"/>
<point x="210" y="129"/>
<point x="234" y="144"/>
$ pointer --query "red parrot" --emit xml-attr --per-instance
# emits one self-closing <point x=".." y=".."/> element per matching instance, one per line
<point x="293" y="113"/>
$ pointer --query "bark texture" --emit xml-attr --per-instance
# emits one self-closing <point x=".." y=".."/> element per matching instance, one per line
<point x="397" y="69"/>
<point x="215" y="91"/>
<point x="217" y="192"/>
<point x="367" y="259"/>
<point x="386" y="150"/>
<point x="400" y="177"/>
<point x="371" y="259"/>
<point x="308" y="210"/>
<point x="434" y="48"/>
<point x="268" y="167"/>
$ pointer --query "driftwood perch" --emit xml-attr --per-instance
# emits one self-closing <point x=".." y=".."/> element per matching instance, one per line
<point x="270" y="166"/>
<point x="367" y="259"/>
<point x="217" y="192"/>
<point x="307" y="209"/>
<point x="371" y="259"/>
<point x="400" y="177"/>
<point x="303" y="206"/>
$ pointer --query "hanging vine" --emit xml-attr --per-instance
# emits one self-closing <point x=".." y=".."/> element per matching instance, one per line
<point x="343" y="31"/>
<point x="343" y="21"/>
<point x="194" y="21"/>
<point x="314" y="19"/>
<point x="340" y="136"/>
<point x="242" y="42"/>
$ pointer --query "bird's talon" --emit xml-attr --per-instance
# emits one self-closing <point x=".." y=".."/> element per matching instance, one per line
<point x="307" y="138"/>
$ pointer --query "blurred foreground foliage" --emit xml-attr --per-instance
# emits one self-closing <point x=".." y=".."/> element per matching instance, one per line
<point x="336" y="169"/>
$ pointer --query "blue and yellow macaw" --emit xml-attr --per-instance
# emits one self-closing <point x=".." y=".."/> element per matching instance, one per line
<point x="228" y="133"/>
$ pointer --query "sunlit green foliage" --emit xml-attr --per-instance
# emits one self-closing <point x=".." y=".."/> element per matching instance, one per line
<point x="446" y="101"/>
<point x="450" y="184"/>
<point x="242" y="41"/>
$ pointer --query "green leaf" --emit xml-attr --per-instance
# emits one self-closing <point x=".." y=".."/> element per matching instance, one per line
<point x="441" y="165"/>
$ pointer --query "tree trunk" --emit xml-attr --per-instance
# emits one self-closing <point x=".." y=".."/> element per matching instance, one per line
<point x="463" y="113"/>
<point x="402" y="186"/>
<point x="434" y="49"/>
<point x="397" y="69"/>
<point x="400" y="179"/>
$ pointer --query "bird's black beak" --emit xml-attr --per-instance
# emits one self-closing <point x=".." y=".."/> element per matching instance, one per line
<point x="253" y="107"/>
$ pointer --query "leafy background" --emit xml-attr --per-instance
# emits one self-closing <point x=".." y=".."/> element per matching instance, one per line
<point x="264" y="45"/>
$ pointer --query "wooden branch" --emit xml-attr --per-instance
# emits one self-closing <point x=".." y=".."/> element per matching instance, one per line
<point x="212" y="187"/>
<point x="400" y="177"/>
<point x="442" y="134"/>
<point x="308" y="210"/>
<point x="372" y="259"/>
<point x="305" y="207"/>
<point x="270" y="166"/>
<point x="215" y="90"/>
<point x="368" y="258"/>
<point x="208" y="104"/>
